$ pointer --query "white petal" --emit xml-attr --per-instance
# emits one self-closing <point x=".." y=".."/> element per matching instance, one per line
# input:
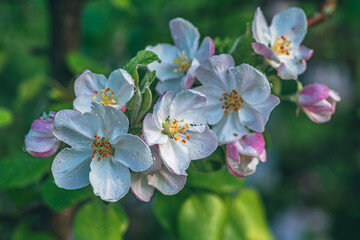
<point x="151" y="132"/>
<point x="201" y="145"/>
<point x="88" y="82"/>
<point x="213" y="111"/>
<point x="215" y="71"/>
<point x="114" y="121"/>
<point x="167" y="54"/>
<point x="166" y="182"/>
<point x="162" y="109"/>
<point x="287" y="70"/>
<point x="291" y="23"/>
<point x="256" y="116"/>
<point x="133" y="153"/>
<point x="175" y="85"/>
<point x="122" y="84"/>
<point x="109" y="179"/>
<point x="188" y="105"/>
<point x="206" y="50"/>
<point x="185" y="36"/>
<point x="82" y="103"/>
<point x="71" y="168"/>
<point x="229" y="128"/>
<point x="140" y="187"/>
<point x="73" y="128"/>
<point x="175" y="156"/>
<point x="260" y="28"/>
<point x="252" y="85"/>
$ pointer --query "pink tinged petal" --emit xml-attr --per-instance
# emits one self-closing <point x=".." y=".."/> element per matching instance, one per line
<point x="43" y="125"/>
<point x="214" y="71"/>
<point x="166" y="182"/>
<point x="115" y="123"/>
<point x="252" y="85"/>
<point x="201" y="145"/>
<point x="44" y="154"/>
<point x="291" y="23"/>
<point x="232" y="152"/>
<point x="109" y="179"/>
<point x="256" y="116"/>
<point x="123" y="109"/>
<point x="246" y="167"/>
<point x="176" y="157"/>
<point x="287" y="70"/>
<point x="122" y="84"/>
<point x="188" y="105"/>
<point x="312" y="94"/>
<point x="152" y="134"/>
<point x="174" y="85"/>
<point x="82" y="103"/>
<point x="73" y="128"/>
<point x="229" y="128"/>
<point x="39" y="145"/>
<point x="252" y="144"/>
<point x="88" y="82"/>
<point x="140" y="187"/>
<point x="260" y="28"/>
<point x="265" y="51"/>
<point x="162" y="109"/>
<point x="263" y="156"/>
<point x="132" y="152"/>
<point x="213" y="111"/>
<point x="52" y="114"/>
<point x="71" y="168"/>
<point x="305" y="53"/>
<point x="190" y="75"/>
<point x="185" y="36"/>
<point x="319" y="112"/>
<point x="167" y="54"/>
<point x="206" y="50"/>
<point x="334" y="96"/>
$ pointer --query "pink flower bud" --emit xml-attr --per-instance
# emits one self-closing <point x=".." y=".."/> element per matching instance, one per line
<point x="40" y="141"/>
<point x="244" y="155"/>
<point x="318" y="102"/>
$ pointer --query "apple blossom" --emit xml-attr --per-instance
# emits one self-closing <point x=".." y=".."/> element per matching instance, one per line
<point x="244" y="155"/>
<point x="157" y="176"/>
<point x="179" y="62"/>
<point x="115" y="91"/>
<point x="178" y="127"/>
<point x="40" y="141"/>
<point x="280" y="43"/>
<point x="101" y="153"/>
<point x="237" y="97"/>
<point x="318" y="102"/>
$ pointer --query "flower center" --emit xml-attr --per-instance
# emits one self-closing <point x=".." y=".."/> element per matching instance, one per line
<point x="106" y="98"/>
<point x="183" y="62"/>
<point x="281" y="45"/>
<point x="174" y="130"/>
<point x="102" y="147"/>
<point x="231" y="102"/>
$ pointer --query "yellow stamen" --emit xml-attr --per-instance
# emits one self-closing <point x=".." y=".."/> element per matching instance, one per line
<point x="281" y="46"/>
<point x="231" y="101"/>
<point x="183" y="62"/>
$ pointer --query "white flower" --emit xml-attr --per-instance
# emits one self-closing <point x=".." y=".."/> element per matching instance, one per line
<point x="101" y="151"/>
<point x="178" y="127"/>
<point x="179" y="62"/>
<point x="237" y="97"/>
<point x="115" y="91"/>
<point x="157" y="176"/>
<point x="280" y="43"/>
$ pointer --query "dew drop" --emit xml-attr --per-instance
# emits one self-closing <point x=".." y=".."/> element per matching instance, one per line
<point x="24" y="148"/>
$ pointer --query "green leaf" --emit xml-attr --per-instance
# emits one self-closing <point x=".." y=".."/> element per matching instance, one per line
<point x="219" y="181"/>
<point x="202" y="217"/>
<point x="78" y="62"/>
<point x="6" y="117"/>
<point x="166" y="209"/>
<point x="147" y="81"/>
<point x="22" y="169"/>
<point x="59" y="199"/>
<point x="135" y="104"/>
<point x="247" y="218"/>
<point x="142" y="58"/>
<point x="242" y="51"/>
<point x="30" y="88"/>
<point x="145" y="104"/>
<point x="93" y="222"/>
<point x="22" y="232"/>
<point x="211" y="163"/>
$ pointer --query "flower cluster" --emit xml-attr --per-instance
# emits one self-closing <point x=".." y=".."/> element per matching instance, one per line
<point x="205" y="101"/>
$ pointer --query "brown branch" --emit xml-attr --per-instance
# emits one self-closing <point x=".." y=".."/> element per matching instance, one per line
<point x="326" y="10"/>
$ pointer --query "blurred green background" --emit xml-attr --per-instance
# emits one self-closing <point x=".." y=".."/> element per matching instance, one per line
<point x="310" y="186"/>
